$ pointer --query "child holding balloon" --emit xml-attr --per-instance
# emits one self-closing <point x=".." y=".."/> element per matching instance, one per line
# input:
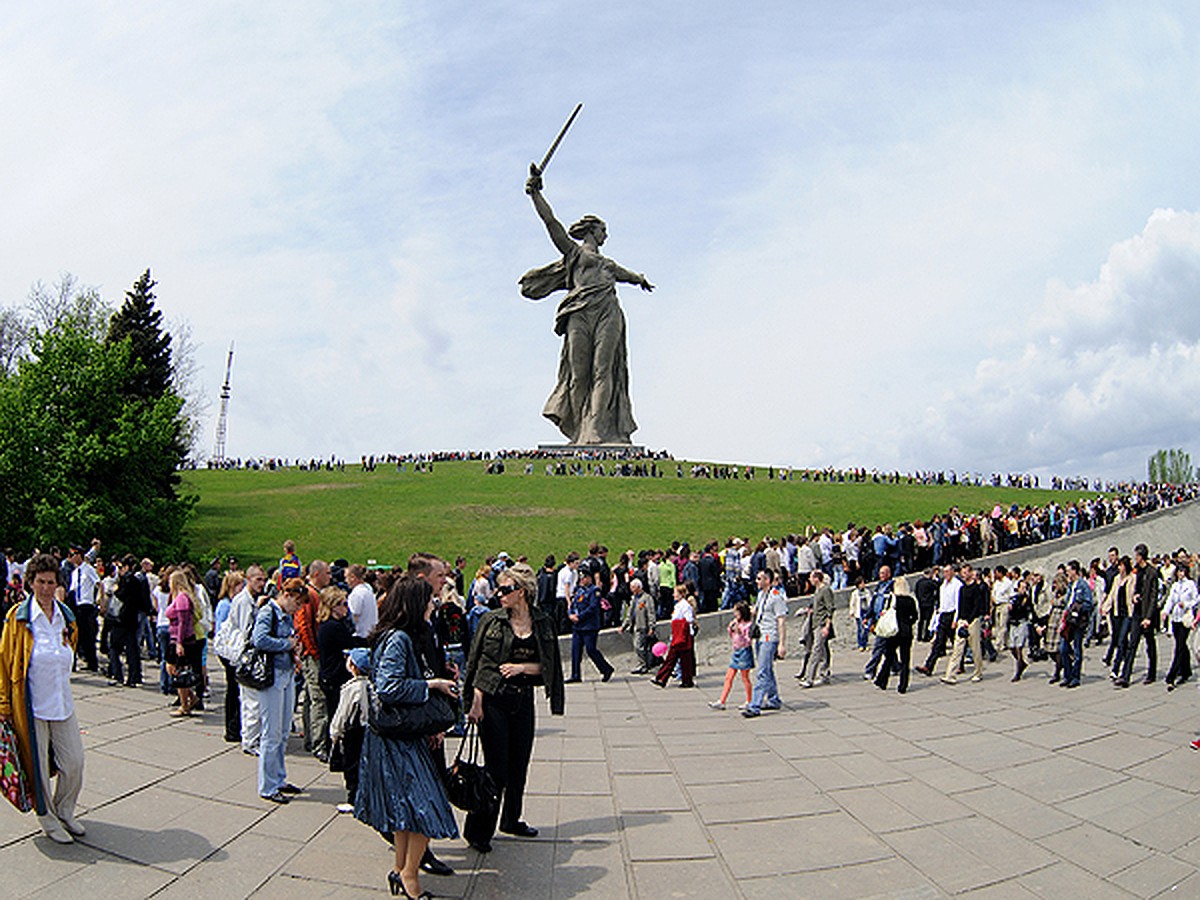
<point x="742" y="659"/>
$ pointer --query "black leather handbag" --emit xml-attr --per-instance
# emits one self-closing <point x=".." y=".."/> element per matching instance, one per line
<point x="468" y="784"/>
<point x="410" y="720"/>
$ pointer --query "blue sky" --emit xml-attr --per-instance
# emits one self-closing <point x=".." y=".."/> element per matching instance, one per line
<point x="926" y="235"/>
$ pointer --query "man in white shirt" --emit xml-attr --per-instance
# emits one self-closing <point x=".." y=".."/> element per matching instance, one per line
<point x="361" y="600"/>
<point x="947" y="613"/>
<point x="83" y="588"/>
<point x="1003" y="591"/>
<point x="568" y="577"/>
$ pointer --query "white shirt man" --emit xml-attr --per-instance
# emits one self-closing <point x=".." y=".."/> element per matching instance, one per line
<point x="1003" y="591"/>
<point x="361" y="600"/>
<point x="568" y="577"/>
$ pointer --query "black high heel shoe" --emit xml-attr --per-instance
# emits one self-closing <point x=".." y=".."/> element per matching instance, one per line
<point x="396" y="885"/>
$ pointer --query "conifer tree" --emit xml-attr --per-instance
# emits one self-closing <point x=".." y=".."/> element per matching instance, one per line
<point x="139" y="320"/>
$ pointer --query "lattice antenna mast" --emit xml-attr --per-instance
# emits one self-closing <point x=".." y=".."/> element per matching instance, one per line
<point x="223" y="418"/>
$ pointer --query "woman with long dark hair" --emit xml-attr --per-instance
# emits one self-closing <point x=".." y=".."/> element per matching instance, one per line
<point x="400" y="788"/>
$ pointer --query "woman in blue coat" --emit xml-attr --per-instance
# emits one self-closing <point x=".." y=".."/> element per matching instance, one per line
<point x="400" y="790"/>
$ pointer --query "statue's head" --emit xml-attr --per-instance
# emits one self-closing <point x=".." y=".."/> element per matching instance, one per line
<point x="589" y="224"/>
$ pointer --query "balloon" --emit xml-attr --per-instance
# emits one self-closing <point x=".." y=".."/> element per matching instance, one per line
<point x="660" y="649"/>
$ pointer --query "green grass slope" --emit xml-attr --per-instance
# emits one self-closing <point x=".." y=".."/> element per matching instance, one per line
<point x="385" y="515"/>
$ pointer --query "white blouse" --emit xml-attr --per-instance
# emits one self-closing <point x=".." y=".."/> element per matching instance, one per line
<point x="50" y="666"/>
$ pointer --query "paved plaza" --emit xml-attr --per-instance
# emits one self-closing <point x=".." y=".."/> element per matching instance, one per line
<point x="990" y="790"/>
<point x="980" y="790"/>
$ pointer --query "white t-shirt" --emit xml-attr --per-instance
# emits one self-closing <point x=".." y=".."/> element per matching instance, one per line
<point x="363" y="609"/>
<point x="566" y="583"/>
<point x="769" y="608"/>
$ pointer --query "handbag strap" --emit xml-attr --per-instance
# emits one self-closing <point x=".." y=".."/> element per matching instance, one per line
<point x="469" y="743"/>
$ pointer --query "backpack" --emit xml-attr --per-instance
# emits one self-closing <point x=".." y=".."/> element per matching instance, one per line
<point x="202" y="615"/>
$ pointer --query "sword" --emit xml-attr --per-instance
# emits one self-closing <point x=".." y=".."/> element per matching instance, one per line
<point x="535" y="169"/>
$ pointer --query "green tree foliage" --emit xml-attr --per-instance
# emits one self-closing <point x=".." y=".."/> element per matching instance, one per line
<point x="141" y="323"/>
<point x="1171" y="467"/>
<point x="81" y="454"/>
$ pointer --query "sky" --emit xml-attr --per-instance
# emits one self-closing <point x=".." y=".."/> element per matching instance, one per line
<point x="943" y="235"/>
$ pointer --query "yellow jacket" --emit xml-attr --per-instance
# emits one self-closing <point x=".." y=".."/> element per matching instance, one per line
<point x="16" y="646"/>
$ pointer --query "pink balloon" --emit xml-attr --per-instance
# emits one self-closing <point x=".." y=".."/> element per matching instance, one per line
<point x="660" y="649"/>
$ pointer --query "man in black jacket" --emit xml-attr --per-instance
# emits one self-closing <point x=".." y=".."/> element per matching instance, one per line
<point x="1145" y="618"/>
<point x="710" y="578"/>
<point x="973" y="603"/>
<point x="926" y="590"/>
<point x="134" y="596"/>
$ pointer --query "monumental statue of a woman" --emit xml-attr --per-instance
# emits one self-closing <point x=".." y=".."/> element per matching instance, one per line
<point x="590" y="404"/>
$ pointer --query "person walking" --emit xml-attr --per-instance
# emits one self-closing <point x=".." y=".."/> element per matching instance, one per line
<point x="770" y="617"/>
<point x="682" y="647"/>
<point x="1180" y="612"/>
<point x="741" y="659"/>
<point x="584" y="613"/>
<point x="897" y="649"/>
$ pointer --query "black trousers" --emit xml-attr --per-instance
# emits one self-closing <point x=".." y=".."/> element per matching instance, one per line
<point x="123" y="641"/>
<point x="86" y="646"/>
<point x="944" y="623"/>
<point x="233" y="705"/>
<point x="1137" y="633"/>
<point x="898" y="648"/>
<point x="1181" y="663"/>
<point x="507" y="736"/>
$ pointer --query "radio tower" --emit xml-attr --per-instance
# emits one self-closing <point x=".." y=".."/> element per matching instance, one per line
<point x="226" y="390"/>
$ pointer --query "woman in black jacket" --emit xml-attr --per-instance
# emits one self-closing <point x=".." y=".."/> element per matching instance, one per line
<point x="899" y="646"/>
<point x="514" y="651"/>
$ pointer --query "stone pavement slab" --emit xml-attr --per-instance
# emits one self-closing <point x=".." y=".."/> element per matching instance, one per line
<point x="987" y="790"/>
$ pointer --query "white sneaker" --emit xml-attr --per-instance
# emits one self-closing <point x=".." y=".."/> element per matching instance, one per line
<point x="345" y="807"/>
<point x="744" y="706"/>
<point x="716" y="704"/>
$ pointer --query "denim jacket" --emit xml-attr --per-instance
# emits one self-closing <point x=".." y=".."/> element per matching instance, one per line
<point x="272" y="630"/>
<point x="395" y="671"/>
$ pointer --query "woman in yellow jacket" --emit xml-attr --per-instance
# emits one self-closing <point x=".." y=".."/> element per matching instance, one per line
<point x="36" y="651"/>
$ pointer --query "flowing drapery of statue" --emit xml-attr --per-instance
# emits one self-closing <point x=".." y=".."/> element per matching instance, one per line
<point x="590" y="403"/>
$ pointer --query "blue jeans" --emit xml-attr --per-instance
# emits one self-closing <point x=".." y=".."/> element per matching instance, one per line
<point x="164" y="639"/>
<point x="766" y="689"/>
<point x="278" y="702"/>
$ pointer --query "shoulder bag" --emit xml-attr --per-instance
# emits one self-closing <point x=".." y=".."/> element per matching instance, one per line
<point x="889" y="623"/>
<point x="408" y="720"/>
<point x="255" y="668"/>
<point x="468" y="784"/>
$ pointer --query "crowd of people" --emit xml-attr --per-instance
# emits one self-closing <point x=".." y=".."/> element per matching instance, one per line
<point x="336" y="635"/>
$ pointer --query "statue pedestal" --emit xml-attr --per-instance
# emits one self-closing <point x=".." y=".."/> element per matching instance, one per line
<point x="610" y="451"/>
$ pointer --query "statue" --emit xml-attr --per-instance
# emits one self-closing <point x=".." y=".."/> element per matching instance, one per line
<point x="590" y="404"/>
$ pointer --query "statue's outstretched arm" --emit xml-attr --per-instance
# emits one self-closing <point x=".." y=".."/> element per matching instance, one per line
<point x="620" y="273"/>
<point x="558" y="234"/>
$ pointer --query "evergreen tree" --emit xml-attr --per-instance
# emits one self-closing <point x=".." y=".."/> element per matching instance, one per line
<point x="80" y="454"/>
<point x="140" y="322"/>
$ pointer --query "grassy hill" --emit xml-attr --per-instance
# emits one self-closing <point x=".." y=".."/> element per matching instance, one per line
<point x="385" y="515"/>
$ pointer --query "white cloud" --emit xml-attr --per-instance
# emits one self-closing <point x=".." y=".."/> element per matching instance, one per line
<point x="1108" y="368"/>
